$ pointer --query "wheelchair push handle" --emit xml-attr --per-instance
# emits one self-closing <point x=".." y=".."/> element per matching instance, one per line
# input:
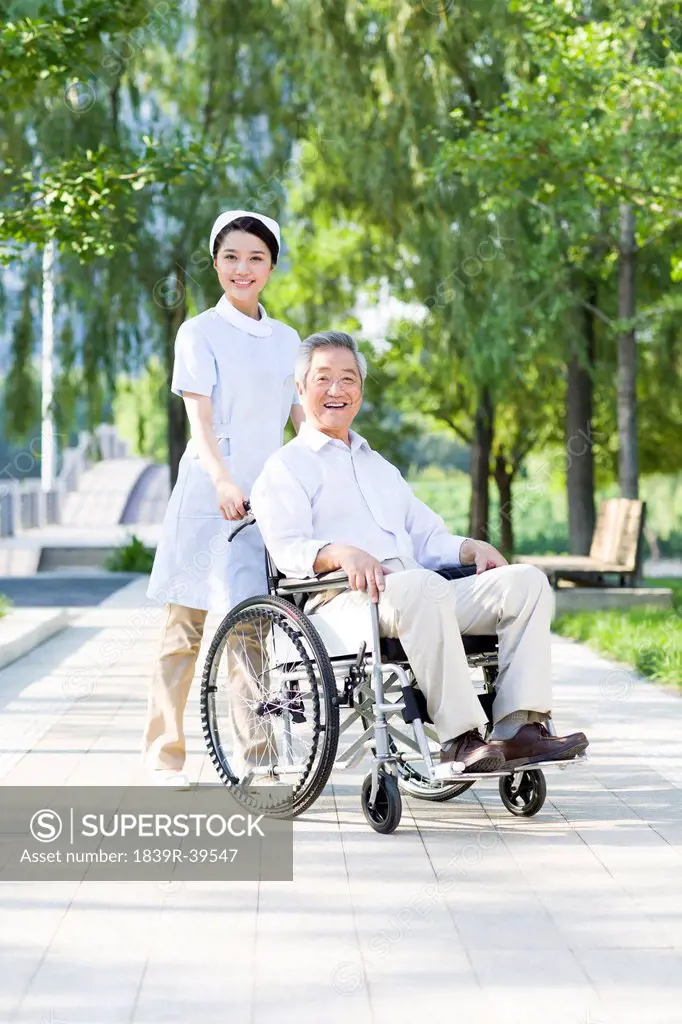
<point x="248" y="521"/>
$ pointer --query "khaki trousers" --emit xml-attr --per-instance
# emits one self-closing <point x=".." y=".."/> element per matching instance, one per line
<point x="429" y="615"/>
<point x="164" y="736"/>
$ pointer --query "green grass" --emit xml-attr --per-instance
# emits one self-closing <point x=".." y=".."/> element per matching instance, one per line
<point x="650" y="640"/>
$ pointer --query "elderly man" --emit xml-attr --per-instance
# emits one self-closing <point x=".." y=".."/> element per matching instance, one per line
<point x="326" y="501"/>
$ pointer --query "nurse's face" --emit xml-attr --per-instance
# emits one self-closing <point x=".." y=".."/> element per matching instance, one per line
<point x="332" y="394"/>
<point x="243" y="264"/>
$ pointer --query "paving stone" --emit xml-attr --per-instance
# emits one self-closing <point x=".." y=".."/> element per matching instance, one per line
<point x="571" y="917"/>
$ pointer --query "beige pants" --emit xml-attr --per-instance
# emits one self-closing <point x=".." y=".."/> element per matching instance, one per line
<point x="429" y="614"/>
<point x="164" y="736"/>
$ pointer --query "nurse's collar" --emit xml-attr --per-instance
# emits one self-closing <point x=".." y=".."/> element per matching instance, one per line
<point x="258" y="328"/>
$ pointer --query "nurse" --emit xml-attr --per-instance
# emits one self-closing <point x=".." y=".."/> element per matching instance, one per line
<point x="234" y="369"/>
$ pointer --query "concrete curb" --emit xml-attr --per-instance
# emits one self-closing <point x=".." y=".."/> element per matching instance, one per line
<point x="24" y="629"/>
<point x="596" y="599"/>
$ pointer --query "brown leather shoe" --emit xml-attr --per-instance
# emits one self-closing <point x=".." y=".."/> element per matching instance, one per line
<point x="473" y="753"/>
<point x="533" y="743"/>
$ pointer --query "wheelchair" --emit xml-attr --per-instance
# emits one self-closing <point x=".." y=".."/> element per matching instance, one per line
<point x="318" y="698"/>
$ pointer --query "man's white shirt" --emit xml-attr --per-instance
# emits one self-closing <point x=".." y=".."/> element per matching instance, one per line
<point x="317" y="490"/>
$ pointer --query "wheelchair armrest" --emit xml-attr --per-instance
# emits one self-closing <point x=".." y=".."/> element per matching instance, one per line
<point x="456" y="572"/>
<point x="334" y="580"/>
<point x="338" y="580"/>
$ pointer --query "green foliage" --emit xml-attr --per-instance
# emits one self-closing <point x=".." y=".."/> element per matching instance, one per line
<point x="21" y="394"/>
<point x="467" y="162"/>
<point x="139" y="411"/>
<point x="69" y="380"/>
<point x="590" y="119"/>
<point x="85" y="202"/>
<point x="540" y="511"/>
<point x="129" y="188"/>
<point x="131" y="557"/>
<point x="5" y="605"/>
<point x="80" y="185"/>
<point x="649" y="640"/>
<point x="49" y="43"/>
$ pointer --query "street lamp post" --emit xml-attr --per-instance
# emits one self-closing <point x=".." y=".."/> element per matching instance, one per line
<point x="48" y="464"/>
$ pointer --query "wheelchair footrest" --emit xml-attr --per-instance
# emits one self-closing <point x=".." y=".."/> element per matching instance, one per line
<point x="450" y="770"/>
<point x="415" y="705"/>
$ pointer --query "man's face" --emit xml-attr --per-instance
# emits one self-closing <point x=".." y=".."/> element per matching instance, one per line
<point x="332" y="394"/>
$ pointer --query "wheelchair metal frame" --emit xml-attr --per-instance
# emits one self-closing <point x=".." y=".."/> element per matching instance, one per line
<point x="367" y="702"/>
<point x="375" y="737"/>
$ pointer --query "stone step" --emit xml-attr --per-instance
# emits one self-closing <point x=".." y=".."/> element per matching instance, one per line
<point x="52" y="558"/>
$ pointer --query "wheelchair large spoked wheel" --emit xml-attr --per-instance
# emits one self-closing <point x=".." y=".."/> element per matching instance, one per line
<point x="523" y="794"/>
<point x="269" y="707"/>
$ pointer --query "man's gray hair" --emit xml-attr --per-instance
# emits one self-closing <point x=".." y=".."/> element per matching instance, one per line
<point x="326" y="339"/>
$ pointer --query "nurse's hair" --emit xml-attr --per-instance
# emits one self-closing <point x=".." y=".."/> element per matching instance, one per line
<point x="254" y="227"/>
<point x="326" y="339"/>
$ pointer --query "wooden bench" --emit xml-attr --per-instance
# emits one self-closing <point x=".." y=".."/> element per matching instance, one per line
<point x="616" y="549"/>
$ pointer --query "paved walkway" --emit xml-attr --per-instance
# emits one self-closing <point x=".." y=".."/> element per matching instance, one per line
<point x="569" y="918"/>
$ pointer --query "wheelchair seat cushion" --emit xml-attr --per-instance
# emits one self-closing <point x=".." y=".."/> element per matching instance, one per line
<point x="392" y="649"/>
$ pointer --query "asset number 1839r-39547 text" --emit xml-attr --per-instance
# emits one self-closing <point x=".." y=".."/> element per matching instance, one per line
<point x="184" y="856"/>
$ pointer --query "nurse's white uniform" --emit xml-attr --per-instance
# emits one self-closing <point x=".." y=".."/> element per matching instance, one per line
<point x="246" y="366"/>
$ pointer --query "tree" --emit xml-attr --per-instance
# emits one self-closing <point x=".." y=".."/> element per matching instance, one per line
<point x="137" y="206"/>
<point x="558" y="141"/>
<point x="398" y="71"/>
<point x="72" y="171"/>
<point x="82" y="197"/>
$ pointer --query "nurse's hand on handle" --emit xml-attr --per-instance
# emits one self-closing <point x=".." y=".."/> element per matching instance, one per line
<point x="364" y="572"/>
<point x="231" y="499"/>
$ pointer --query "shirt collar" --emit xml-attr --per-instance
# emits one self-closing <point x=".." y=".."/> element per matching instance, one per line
<point x="259" y="328"/>
<point x="315" y="439"/>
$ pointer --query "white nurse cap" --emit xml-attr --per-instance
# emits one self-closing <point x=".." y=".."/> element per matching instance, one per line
<point x="226" y="218"/>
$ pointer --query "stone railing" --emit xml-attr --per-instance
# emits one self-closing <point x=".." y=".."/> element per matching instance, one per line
<point x="24" y="505"/>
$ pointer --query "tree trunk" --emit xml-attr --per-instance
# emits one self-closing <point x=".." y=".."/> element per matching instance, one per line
<point x="480" y="467"/>
<point x="579" y="439"/>
<point x="176" y="307"/>
<point x="503" y="479"/>
<point x="627" y="359"/>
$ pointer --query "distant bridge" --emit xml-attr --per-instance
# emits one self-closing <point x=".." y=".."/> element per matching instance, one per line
<point x="102" y="495"/>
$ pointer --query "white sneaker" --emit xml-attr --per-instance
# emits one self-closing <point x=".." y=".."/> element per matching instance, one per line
<point x="171" y="777"/>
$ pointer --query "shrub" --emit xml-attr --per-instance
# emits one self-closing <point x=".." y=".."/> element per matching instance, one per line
<point x="131" y="557"/>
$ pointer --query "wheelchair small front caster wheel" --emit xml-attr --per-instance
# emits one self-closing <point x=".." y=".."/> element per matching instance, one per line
<point x="523" y="794"/>
<point x="385" y="816"/>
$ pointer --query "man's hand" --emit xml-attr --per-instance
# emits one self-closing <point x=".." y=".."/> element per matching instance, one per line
<point x="481" y="554"/>
<point x="364" y="572"/>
